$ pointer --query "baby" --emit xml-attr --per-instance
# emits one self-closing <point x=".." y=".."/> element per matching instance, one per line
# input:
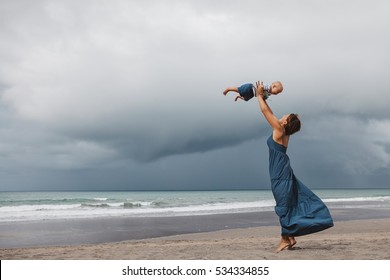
<point x="247" y="91"/>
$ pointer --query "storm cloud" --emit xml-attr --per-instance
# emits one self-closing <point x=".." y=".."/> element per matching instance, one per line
<point x="128" y="94"/>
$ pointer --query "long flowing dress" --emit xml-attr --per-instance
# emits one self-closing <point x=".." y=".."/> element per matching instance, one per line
<point x="300" y="211"/>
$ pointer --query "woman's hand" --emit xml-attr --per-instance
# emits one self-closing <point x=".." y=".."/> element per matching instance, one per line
<point x="260" y="89"/>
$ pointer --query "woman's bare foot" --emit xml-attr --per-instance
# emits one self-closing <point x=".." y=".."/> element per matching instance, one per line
<point x="292" y="241"/>
<point x="226" y="91"/>
<point x="283" y="244"/>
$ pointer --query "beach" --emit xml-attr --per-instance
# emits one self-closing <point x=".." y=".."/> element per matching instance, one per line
<point x="355" y="236"/>
<point x="185" y="225"/>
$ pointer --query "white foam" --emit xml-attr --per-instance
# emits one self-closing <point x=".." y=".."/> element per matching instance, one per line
<point x="101" y="207"/>
<point x="44" y="212"/>
<point x="359" y="199"/>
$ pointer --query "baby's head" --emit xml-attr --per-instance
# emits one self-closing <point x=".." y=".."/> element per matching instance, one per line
<point x="276" y="87"/>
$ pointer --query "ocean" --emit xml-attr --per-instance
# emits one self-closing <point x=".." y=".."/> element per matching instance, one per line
<point x="38" y="206"/>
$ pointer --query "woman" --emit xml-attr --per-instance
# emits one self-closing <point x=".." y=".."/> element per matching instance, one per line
<point x="300" y="211"/>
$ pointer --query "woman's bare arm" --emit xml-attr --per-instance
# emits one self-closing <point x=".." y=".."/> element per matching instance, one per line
<point x="267" y="112"/>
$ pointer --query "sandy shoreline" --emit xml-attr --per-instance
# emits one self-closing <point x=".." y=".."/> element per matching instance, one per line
<point x="348" y="240"/>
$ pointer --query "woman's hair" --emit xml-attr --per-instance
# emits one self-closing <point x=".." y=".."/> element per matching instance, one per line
<point x="293" y="124"/>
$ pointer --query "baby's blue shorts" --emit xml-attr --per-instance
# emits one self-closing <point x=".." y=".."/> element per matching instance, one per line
<point x="246" y="91"/>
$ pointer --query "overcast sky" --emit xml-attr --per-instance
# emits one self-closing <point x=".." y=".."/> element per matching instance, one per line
<point x="125" y="95"/>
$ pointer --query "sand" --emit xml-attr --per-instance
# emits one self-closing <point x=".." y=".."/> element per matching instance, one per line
<point x="347" y="240"/>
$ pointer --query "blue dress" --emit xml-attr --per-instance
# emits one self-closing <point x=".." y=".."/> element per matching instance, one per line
<point x="300" y="211"/>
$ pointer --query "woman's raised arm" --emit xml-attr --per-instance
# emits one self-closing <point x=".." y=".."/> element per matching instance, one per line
<point x="266" y="110"/>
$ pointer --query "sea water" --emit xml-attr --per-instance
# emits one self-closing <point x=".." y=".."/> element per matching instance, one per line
<point x="32" y="206"/>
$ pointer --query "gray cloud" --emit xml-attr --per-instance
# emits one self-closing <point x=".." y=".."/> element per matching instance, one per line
<point x="86" y="87"/>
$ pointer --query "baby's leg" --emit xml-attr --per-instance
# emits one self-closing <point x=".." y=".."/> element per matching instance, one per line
<point x="230" y="89"/>
<point x="239" y="97"/>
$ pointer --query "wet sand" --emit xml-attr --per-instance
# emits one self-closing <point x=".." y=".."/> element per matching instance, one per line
<point x="238" y="236"/>
<point x="348" y="240"/>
